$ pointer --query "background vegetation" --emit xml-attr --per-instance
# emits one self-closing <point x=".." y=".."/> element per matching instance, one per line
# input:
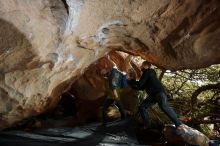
<point x="195" y="96"/>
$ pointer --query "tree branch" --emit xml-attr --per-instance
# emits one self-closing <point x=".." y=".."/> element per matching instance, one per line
<point x="205" y="121"/>
<point x="200" y="90"/>
<point x="162" y="74"/>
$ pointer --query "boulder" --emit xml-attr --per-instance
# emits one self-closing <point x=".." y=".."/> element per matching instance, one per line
<point x="185" y="135"/>
<point x="45" y="45"/>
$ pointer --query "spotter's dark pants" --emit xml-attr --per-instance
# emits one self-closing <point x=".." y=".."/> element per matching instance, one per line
<point x="161" y="99"/>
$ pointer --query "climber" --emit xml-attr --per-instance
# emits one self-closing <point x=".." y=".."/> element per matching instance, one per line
<point x="151" y="84"/>
<point x="116" y="81"/>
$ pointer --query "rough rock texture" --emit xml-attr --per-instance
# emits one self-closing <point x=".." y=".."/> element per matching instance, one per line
<point x="171" y="34"/>
<point x="46" y="44"/>
<point x="32" y="66"/>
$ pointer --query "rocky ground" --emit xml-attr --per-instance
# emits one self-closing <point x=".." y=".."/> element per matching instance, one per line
<point x="116" y="133"/>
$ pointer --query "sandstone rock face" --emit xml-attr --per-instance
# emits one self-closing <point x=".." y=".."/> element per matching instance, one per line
<point x="46" y="44"/>
<point x="170" y="34"/>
